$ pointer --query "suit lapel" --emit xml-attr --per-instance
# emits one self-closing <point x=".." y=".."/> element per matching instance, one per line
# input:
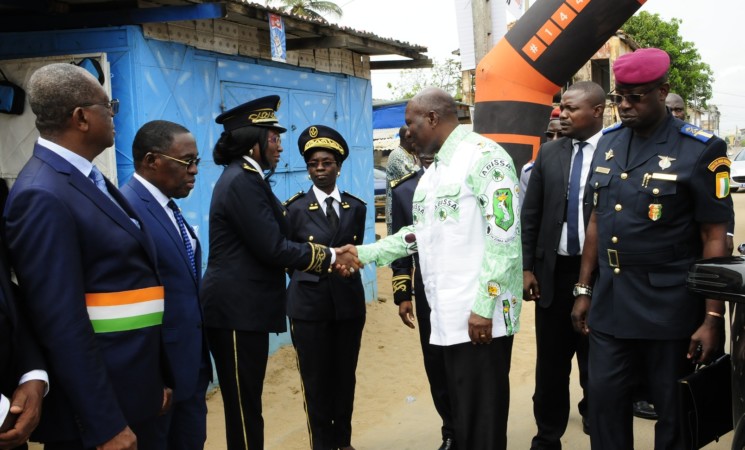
<point x="565" y="161"/>
<point x="159" y="214"/>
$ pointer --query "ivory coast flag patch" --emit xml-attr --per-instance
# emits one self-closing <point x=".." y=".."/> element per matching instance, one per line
<point x="125" y="310"/>
<point x="722" y="189"/>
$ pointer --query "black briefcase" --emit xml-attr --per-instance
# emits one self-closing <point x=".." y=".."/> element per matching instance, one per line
<point x="706" y="402"/>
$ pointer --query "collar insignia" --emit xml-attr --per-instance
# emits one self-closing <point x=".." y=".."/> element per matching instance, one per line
<point x="609" y="154"/>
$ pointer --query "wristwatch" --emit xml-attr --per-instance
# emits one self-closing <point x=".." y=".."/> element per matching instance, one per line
<point x="582" y="289"/>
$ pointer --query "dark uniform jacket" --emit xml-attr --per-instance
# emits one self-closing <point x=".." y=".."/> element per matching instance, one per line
<point x="544" y="213"/>
<point x="402" y="195"/>
<point x="649" y="202"/>
<point x="244" y="285"/>
<point x="325" y="296"/>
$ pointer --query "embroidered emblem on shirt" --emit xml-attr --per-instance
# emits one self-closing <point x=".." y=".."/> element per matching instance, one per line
<point x="503" y="216"/>
<point x="493" y="289"/>
<point x="665" y="161"/>
<point x="719" y="162"/>
<point x="722" y="187"/>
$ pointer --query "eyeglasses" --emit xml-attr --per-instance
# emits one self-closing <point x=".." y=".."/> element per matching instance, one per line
<point x="631" y="98"/>
<point x="553" y="134"/>
<point x="112" y="105"/>
<point x="187" y="163"/>
<point x="275" y="139"/>
<point x="312" y="164"/>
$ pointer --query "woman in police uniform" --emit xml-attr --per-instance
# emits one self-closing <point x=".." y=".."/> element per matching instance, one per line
<point x="243" y="290"/>
<point x="327" y="311"/>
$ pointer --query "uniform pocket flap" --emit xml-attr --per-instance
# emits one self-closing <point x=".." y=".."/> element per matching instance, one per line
<point x="448" y="190"/>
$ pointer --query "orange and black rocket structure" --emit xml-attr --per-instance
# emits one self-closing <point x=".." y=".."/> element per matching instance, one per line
<point x="517" y="79"/>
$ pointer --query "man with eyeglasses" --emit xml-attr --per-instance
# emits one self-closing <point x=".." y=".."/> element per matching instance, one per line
<point x="661" y="200"/>
<point x="554" y="217"/>
<point x="165" y="156"/>
<point x="88" y="274"/>
<point x="553" y="132"/>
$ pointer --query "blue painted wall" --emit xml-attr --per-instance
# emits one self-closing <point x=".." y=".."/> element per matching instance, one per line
<point x="170" y="81"/>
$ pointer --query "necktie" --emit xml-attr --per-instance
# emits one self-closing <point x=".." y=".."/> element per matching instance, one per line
<point x="331" y="214"/>
<point x="184" y="235"/>
<point x="573" y="202"/>
<point x="98" y="180"/>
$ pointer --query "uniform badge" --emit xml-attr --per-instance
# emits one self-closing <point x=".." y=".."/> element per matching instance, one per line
<point x="609" y="154"/>
<point x="722" y="187"/>
<point x="595" y="199"/>
<point x="503" y="216"/>
<point x="719" y="162"/>
<point x="665" y="161"/>
<point x="345" y="205"/>
<point x="313" y="207"/>
<point x="655" y="211"/>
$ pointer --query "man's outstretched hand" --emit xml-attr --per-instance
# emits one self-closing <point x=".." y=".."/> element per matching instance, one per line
<point x="347" y="263"/>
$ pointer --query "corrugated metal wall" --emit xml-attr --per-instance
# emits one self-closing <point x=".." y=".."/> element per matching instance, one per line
<point x="169" y="81"/>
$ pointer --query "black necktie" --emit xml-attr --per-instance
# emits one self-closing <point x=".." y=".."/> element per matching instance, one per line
<point x="331" y="214"/>
<point x="573" y="202"/>
<point x="184" y="235"/>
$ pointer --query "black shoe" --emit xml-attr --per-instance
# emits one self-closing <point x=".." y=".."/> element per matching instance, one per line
<point x="585" y="426"/>
<point x="448" y="443"/>
<point x="643" y="410"/>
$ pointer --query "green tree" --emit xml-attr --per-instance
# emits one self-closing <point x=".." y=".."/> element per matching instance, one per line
<point x="690" y="77"/>
<point x="312" y="9"/>
<point x="443" y="74"/>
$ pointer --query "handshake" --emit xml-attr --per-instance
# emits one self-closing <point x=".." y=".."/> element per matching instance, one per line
<point x="347" y="262"/>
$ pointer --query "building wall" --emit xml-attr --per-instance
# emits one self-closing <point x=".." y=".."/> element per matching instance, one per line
<point x="171" y="81"/>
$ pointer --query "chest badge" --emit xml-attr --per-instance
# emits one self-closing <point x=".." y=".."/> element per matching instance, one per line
<point x="655" y="211"/>
<point x="665" y="161"/>
<point x="313" y="207"/>
<point x="609" y="154"/>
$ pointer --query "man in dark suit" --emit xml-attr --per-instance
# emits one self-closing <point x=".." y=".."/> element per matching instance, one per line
<point x="402" y="196"/>
<point x="661" y="200"/>
<point x="554" y="216"/>
<point x="166" y="158"/>
<point x="23" y="378"/>
<point x="87" y="270"/>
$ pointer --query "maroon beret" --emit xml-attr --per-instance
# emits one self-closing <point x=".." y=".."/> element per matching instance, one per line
<point x="642" y="66"/>
<point x="555" y="114"/>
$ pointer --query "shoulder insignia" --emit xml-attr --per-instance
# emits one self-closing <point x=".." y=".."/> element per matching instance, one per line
<point x="612" y="128"/>
<point x="249" y="167"/>
<point x="696" y="132"/>
<point x="293" y="198"/>
<point x="355" y="197"/>
<point x="719" y="162"/>
<point x="398" y="181"/>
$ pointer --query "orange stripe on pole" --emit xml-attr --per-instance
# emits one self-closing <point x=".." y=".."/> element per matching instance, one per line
<point x="125" y="297"/>
<point x="503" y="75"/>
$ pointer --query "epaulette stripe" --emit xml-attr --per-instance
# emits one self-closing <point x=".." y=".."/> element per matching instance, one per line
<point x="696" y="133"/>
<point x="293" y="198"/>
<point x="398" y="181"/>
<point x="355" y="197"/>
<point x="613" y="127"/>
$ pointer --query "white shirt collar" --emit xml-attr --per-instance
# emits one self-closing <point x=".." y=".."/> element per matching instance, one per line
<point x="160" y="197"/>
<point x="593" y="140"/>
<point x="253" y="163"/>
<point x="77" y="161"/>
<point x="321" y="196"/>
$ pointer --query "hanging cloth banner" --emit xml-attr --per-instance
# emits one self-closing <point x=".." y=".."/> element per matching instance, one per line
<point x="277" y="38"/>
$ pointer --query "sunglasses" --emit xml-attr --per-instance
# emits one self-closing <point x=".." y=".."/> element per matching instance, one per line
<point x="630" y="98"/>
<point x="186" y="163"/>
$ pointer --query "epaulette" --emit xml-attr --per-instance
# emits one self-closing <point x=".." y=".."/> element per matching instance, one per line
<point x="398" y="181"/>
<point x="355" y="197"/>
<point x="249" y="167"/>
<point x="696" y="133"/>
<point x="528" y="167"/>
<point x="614" y="127"/>
<point x="293" y="198"/>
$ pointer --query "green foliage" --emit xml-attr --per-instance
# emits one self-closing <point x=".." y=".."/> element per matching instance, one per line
<point x="689" y="77"/>
<point x="312" y="9"/>
<point x="443" y="74"/>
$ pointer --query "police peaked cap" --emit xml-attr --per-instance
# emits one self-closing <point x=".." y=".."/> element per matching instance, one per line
<point x="256" y="113"/>
<point x="320" y="137"/>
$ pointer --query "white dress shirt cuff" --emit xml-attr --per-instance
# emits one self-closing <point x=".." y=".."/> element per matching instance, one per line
<point x="333" y="255"/>
<point x="36" y="375"/>
<point x="4" y="408"/>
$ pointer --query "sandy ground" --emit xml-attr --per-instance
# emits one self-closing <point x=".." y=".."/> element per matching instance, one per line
<point x="393" y="406"/>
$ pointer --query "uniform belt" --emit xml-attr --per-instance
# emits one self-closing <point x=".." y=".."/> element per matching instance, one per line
<point x="662" y="256"/>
